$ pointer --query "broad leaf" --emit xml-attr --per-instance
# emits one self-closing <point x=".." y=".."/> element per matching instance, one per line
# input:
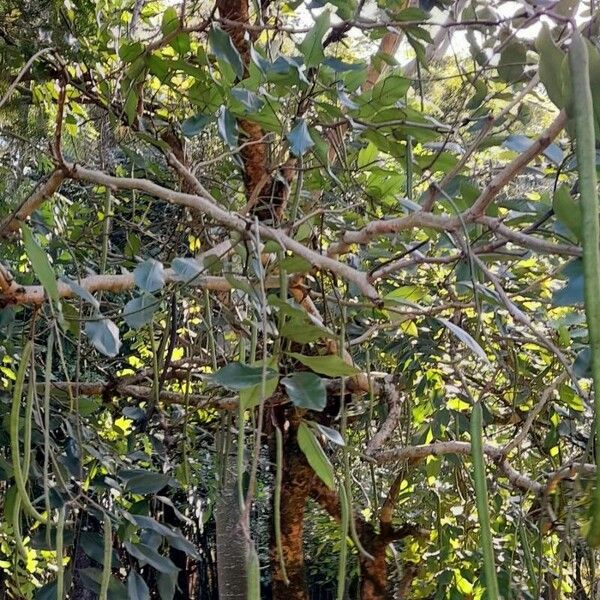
<point x="92" y="577"/>
<point x="170" y="21"/>
<point x="174" y="536"/>
<point x="104" y="335"/>
<point x="567" y="210"/>
<point x="149" y="275"/>
<point x="512" y="61"/>
<point x="312" y="45"/>
<point x="166" y="585"/>
<point x="83" y="293"/>
<point x="139" y="481"/>
<point x="299" y="139"/>
<point x="137" y="589"/>
<point x="93" y="545"/>
<point x="333" y="435"/>
<point x="192" y="126"/>
<point x="223" y="48"/>
<point x="572" y="293"/>
<point x="148" y="555"/>
<point x="251" y="397"/>
<point x="521" y="143"/>
<point x="227" y="127"/>
<point x="315" y="455"/>
<point x="306" y="390"/>
<point x="40" y="263"/>
<point x="249" y="100"/>
<point x="186" y="269"/>
<point x="551" y="57"/>
<point x="237" y="376"/>
<point x="467" y="339"/>
<point x="330" y="365"/>
<point x="139" y="311"/>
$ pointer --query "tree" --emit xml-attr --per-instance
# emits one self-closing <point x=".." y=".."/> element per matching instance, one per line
<point x="299" y="289"/>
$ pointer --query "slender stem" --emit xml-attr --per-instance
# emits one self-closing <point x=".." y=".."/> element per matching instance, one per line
<point x="481" y="497"/>
<point x="107" y="557"/>
<point x="277" y="500"/>
<point x="588" y="186"/>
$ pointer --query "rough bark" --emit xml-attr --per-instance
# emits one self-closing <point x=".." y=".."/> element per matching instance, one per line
<point x="373" y="571"/>
<point x="267" y="195"/>
<point x="297" y="481"/>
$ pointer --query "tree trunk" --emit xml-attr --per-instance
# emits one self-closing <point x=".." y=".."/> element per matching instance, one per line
<point x="231" y="543"/>
<point x="296" y="481"/>
<point x="374" y="573"/>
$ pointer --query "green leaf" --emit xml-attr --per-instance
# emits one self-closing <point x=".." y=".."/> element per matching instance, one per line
<point x="181" y="43"/>
<point x="139" y="311"/>
<point x="299" y="139"/>
<point x="149" y="275"/>
<point x="224" y="49"/>
<point x="81" y="292"/>
<point x="315" y="455"/>
<point x="148" y="555"/>
<point x="302" y="332"/>
<point x="104" y="335"/>
<point x="551" y="57"/>
<point x="186" y="269"/>
<point x="330" y="365"/>
<point x="140" y="481"/>
<point x="236" y="376"/>
<point x="571" y="294"/>
<point x="306" y="390"/>
<point x="567" y="210"/>
<point x="251" y="397"/>
<point x="466" y="339"/>
<point x="137" y="588"/>
<point x="131" y="104"/>
<point x="40" y="263"/>
<point x="248" y="99"/>
<point x="166" y="585"/>
<point x="295" y="264"/>
<point x="158" y="66"/>
<point x="174" y="536"/>
<point x="47" y="592"/>
<point x="170" y="21"/>
<point x="93" y="545"/>
<point x="129" y="52"/>
<point x="388" y="90"/>
<point x="312" y="45"/>
<point x="91" y="578"/>
<point x="192" y="126"/>
<point x="367" y="156"/>
<point x="227" y="127"/>
<point x="512" y="61"/>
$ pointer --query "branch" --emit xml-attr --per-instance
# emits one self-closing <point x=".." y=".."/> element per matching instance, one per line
<point x="208" y="205"/>
<point x="21" y="74"/>
<point x="391" y="421"/>
<point x="35" y="294"/>
<point x="416" y="453"/>
<point x="515" y="167"/>
<point x="141" y="392"/>
<point x="452" y="223"/>
<point x="12" y="222"/>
